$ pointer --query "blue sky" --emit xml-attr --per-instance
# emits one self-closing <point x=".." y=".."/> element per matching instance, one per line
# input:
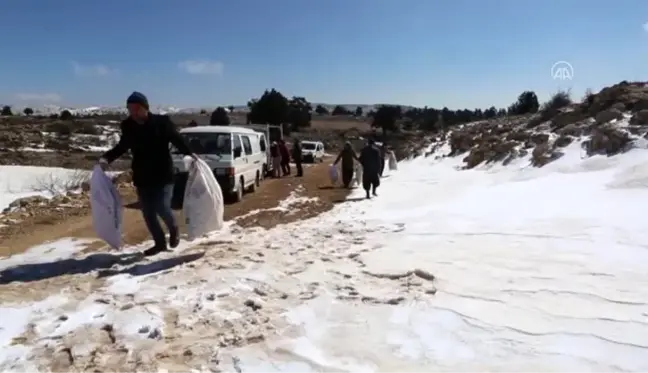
<point x="192" y="53"/>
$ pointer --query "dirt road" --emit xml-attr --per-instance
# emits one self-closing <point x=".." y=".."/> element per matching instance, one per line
<point x="314" y="187"/>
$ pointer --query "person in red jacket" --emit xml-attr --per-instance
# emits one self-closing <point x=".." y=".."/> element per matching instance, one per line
<point x="285" y="157"/>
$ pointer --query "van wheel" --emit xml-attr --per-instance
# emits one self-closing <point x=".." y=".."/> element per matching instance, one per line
<point x="238" y="195"/>
<point x="257" y="182"/>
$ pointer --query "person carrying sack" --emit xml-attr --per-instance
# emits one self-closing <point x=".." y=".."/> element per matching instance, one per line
<point x="371" y="162"/>
<point x="347" y="155"/>
<point x="147" y="136"/>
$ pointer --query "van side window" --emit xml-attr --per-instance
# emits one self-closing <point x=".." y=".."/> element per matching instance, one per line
<point x="247" y="145"/>
<point x="237" y="144"/>
<point x="262" y="144"/>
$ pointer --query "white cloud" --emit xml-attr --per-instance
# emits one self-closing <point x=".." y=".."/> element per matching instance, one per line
<point x="44" y="97"/>
<point x="201" y="67"/>
<point x="91" y="70"/>
<point x="645" y="26"/>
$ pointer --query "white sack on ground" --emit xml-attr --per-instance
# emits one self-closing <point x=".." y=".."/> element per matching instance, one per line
<point x="333" y="174"/>
<point x="393" y="163"/>
<point x="357" y="175"/>
<point x="203" y="206"/>
<point x="105" y="204"/>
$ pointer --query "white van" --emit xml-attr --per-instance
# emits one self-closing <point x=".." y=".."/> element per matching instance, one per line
<point x="312" y="151"/>
<point x="237" y="156"/>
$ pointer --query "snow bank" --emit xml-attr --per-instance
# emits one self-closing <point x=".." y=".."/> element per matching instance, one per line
<point x="25" y="181"/>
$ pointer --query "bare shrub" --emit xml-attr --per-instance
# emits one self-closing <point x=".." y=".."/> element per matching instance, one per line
<point x="67" y="128"/>
<point x="87" y="128"/>
<point x="57" y="183"/>
<point x="559" y="100"/>
<point x="588" y="97"/>
<point x="60" y="128"/>
<point x="66" y="115"/>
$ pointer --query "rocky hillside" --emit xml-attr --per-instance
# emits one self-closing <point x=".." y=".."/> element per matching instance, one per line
<point x="604" y="123"/>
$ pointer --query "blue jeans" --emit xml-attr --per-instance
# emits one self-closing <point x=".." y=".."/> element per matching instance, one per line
<point x="156" y="201"/>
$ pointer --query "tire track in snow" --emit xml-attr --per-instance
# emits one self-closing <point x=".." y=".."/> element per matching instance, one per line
<point x="577" y="294"/>
<point x="492" y="328"/>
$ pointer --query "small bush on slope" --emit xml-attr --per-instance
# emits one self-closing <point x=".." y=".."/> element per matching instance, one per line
<point x="559" y="100"/>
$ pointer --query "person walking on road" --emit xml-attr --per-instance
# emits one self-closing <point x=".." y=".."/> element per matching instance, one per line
<point x="285" y="157"/>
<point x="147" y="136"/>
<point x="371" y="162"/>
<point x="297" y="156"/>
<point x="347" y="155"/>
<point x="275" y="154"/>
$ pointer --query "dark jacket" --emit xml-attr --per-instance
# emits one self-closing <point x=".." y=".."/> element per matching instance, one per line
<point x="274" y="150"/>
<point x="297" y="152"/>
<point x="347" y="155"/>
<point x="370" y="159"/>
<point x="284" y="152"/>
<point x="149" y="145"/>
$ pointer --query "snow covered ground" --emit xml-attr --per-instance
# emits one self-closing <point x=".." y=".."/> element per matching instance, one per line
<point x="535" y="270"/>
<point x="26" y="181"/>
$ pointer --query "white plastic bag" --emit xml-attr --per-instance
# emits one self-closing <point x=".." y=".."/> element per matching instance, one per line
<point x="333" y="174"/>
<point x="393" y="163"/>
<point x="203" y="205"/>
<point x="357" y="175"/>
<point x="105" y="204"/>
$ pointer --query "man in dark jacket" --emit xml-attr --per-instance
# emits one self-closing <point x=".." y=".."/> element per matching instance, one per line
<point x="147" y="136"/>
<point x="347" y="155"/>
<point x="370" y="160"/>
<point x="285" y="157"/>
<point x="297" y="156"/>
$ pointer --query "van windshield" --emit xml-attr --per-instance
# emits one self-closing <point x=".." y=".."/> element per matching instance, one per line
<point x="308" y="145"/>
<point x="208" y="143"/>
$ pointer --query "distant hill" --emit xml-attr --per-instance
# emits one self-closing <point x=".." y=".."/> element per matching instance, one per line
<point x="55" y="109"/>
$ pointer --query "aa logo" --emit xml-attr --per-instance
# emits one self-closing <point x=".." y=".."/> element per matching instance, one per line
<point x="562" y="70"/>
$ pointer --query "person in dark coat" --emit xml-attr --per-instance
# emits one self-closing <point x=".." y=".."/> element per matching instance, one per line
<point x="370" y="160"/>
<point x="285" y="157"/>
<point x="347" y="155"/>
<point x="147" y="136"/>
<point x="297" y="156"/>
<point x="275" y="154"/>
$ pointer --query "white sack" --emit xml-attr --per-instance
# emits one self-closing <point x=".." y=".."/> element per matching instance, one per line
<point x="333" y="174"/>
<point x="393" y="163"/>
<point x="105" y="204"/>
<point x="357" y="175"/>
<point x="203" y="205"/>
